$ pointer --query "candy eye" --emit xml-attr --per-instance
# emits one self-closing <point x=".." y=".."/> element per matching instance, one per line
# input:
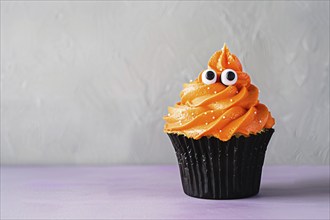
<point x="228" y="77"/>
<point x="209" y="77"/>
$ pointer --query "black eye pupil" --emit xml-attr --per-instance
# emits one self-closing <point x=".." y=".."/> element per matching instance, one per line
<point x="209" y="75"/>
<point x="230" y="75"/>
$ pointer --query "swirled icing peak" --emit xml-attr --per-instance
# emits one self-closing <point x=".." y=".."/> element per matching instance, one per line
<point x="221" y="103"/>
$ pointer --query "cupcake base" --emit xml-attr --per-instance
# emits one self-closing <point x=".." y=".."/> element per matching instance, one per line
<point x="215" y="169"/>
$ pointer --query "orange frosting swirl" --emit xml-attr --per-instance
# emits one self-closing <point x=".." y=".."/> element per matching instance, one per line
<point x="218" y="110"/>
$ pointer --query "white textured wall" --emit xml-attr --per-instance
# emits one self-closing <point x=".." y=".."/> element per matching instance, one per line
<point x="88" y="82"/>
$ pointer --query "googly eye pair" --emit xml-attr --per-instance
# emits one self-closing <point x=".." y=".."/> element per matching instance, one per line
<point x="228" y="77"/>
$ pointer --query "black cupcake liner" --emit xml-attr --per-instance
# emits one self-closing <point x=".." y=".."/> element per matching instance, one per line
<point x="215" y="169"/>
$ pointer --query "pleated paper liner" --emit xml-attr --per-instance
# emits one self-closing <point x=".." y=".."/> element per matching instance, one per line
<point x="215" y="169"/>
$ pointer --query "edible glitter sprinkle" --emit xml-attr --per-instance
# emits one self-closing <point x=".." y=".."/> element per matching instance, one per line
<point x="205" y="113"/>
<point x="255" y="113"/>
<point x="206" y="123"/>
<point x="213" y="117"/>
<point x="220" y="130"/>
<point x="260" y="121"/>
<point x="211" y="111"/>
<point x="215" y="92"/>
<point x="168" y="114"/>
<point x="190" y="80"/>
<point x="208" y="87"/>
<point x="231" y="100"/>
<point x="223" y="116"/>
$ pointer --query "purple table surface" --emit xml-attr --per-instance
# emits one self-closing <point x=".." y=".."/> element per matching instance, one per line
<point x="155" y="192"/>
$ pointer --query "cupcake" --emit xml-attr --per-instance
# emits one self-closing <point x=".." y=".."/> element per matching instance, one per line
<point x="220" y="131"/>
